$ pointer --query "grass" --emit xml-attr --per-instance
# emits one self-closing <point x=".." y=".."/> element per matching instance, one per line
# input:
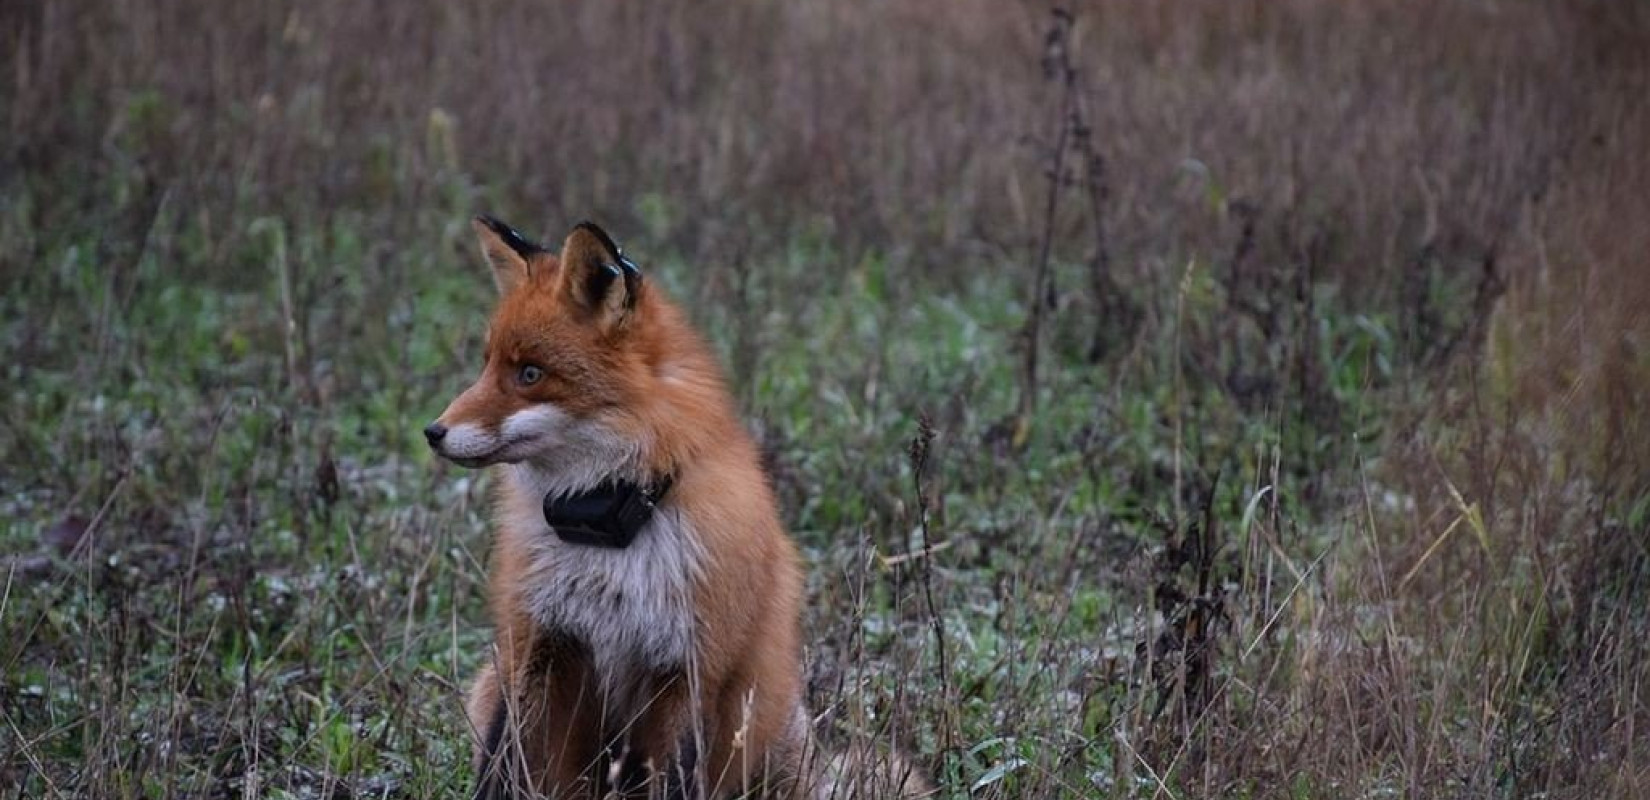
<point x="1356" y="505"/>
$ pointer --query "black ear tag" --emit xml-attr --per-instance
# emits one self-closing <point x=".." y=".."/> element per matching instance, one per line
<point x="632" y="280"/>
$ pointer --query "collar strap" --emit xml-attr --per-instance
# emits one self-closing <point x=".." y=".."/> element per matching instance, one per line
<point x="609" y="515"/>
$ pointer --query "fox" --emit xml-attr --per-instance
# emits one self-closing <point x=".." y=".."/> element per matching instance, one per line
<point x="645" y="595"/>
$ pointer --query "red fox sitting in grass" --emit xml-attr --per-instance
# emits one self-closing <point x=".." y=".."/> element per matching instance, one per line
<point x="645" y="595"/>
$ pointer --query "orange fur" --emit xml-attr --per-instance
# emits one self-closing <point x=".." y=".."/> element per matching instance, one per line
<point x="558" y="704"/>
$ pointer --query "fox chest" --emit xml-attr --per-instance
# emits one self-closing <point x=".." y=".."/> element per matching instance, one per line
<point x="633" y="608"/>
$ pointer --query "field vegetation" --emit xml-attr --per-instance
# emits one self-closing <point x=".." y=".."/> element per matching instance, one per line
<point x="1197" y="399"/>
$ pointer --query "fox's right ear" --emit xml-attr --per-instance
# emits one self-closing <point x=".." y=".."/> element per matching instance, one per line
<point x="511" y="255"/>
<point x="596" y="276"/>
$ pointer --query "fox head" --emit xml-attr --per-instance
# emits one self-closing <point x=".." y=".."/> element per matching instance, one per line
<point x="570" y="365"/>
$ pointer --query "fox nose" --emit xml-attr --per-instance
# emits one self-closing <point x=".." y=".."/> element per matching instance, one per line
<point x="434" y="433"/>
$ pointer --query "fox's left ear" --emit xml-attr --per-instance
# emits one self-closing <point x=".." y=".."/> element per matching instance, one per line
<point x="596" y="276"/>
<point x="512" y="256"/>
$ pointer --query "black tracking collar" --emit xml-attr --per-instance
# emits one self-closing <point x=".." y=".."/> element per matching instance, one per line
<point x="609" y="515"/>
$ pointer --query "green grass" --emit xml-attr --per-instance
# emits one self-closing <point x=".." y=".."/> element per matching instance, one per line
<point x="279" y="585"/>
<point x="278" y="579"/>
<point x="1354" y="506"/>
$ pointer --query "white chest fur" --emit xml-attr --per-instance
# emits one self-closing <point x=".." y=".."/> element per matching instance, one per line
<point x="632" y="607"/>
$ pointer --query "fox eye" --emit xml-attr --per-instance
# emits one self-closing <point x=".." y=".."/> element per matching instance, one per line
<point x="529" y="375"/>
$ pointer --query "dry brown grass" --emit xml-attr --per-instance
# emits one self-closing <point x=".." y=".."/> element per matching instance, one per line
<point x="906" y="127"/>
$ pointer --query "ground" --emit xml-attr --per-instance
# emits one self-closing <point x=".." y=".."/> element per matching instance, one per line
<point x="1287" y="445"/>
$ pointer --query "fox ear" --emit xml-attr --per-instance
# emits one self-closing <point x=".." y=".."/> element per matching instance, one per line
<point x="597" y="277"/>
<point x="510" y="254"/>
